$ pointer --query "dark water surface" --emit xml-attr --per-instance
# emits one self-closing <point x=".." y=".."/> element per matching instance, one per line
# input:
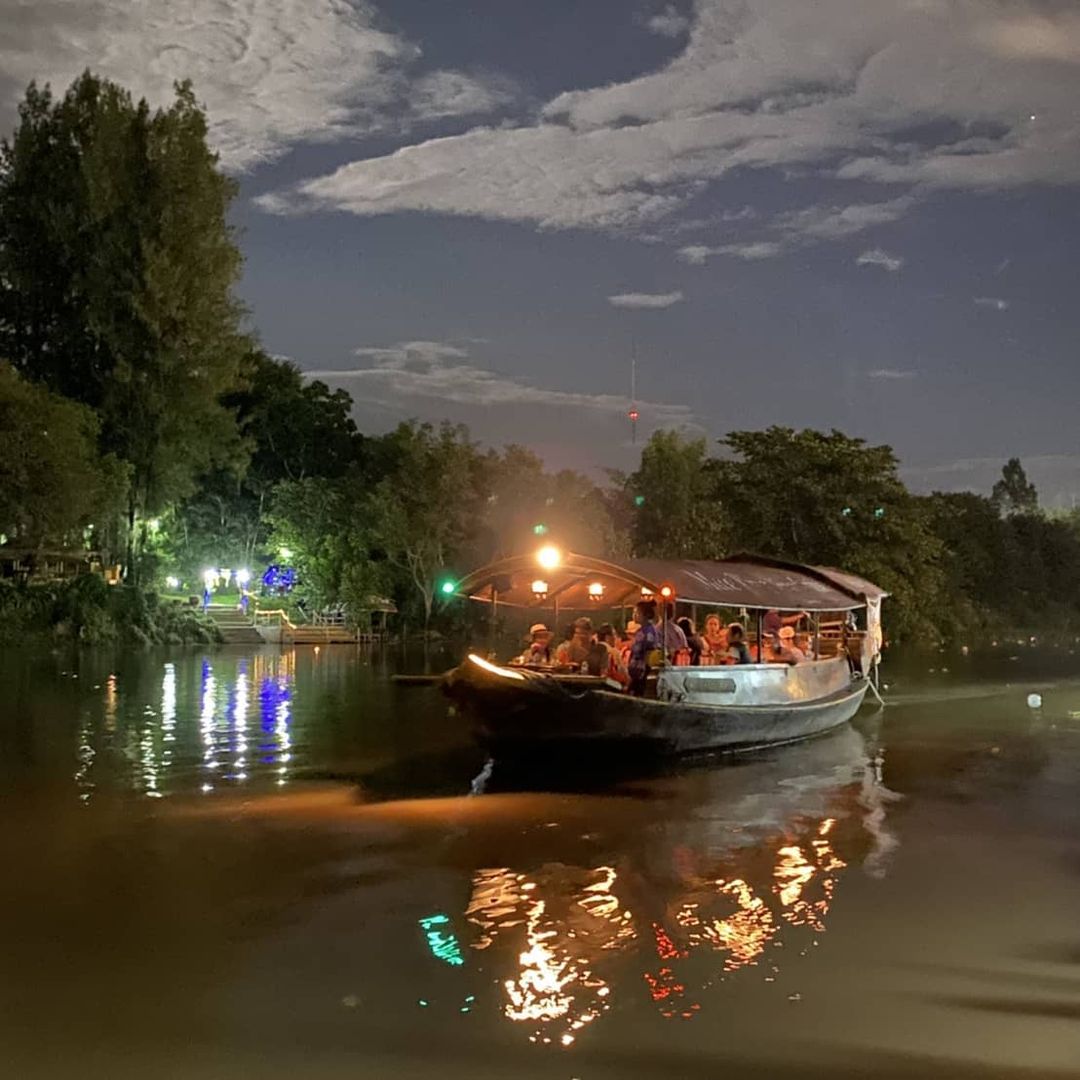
<point x="261" y="864"/>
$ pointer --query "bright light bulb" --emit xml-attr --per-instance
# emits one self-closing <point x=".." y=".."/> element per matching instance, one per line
<point x="539" y="588"/>
<point x="243" y="577"/>
<point x="549" y="557"/>
<point x="596" y="590"/>
<point x="172" y="582"/>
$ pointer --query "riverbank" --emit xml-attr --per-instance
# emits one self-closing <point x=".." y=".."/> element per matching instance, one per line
<point x="87" y="611"/>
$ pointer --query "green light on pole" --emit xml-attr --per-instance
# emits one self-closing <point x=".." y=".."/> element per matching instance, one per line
<point x="447" y="588"/>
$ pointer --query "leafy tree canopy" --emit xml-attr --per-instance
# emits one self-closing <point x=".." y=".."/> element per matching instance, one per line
<point x="116" y="273"/>
<point x="54" y="483"/>
<point x="295" y="430"/>
<point x="677" y="514"/>
<point x="1014" y="493"/>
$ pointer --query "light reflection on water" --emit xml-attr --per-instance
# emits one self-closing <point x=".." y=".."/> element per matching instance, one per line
<point x="210" y="704"/>
<point x="745" y="902"/>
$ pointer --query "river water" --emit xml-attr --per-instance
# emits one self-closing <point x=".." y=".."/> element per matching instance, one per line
<point x="272" y="864"/>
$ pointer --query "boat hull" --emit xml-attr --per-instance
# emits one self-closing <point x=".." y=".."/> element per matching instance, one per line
<point x="531" y="713"/>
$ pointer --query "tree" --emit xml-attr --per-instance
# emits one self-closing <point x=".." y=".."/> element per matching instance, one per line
<point x="678" y="513"/>
<point x="296" y="430"/>
<point x="117" y="267"/>
<point x="1014" y="493"/>
<point x="330" y="543"/>
<point x="430" y="505"/>
<point x="824" y="498"/>
<point x="54" y="483"/>
<point x="527" y="505"/>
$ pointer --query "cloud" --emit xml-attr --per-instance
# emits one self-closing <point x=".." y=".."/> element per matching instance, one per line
<point x="801" y="228"/>
<point x="398" y="375"/>
<point x="838" y="222"/>
<point x="645" y="300"/>
<point x="994" y="302"/>
<point x="670" y="22"/>
<point x="1033" y="35"/>
<point x="272" y="73"/>
<point x="751" y="251"/>
<point x="927" y="93"/>
<point x="878" y="257"/>
<point x="891" y="374"/>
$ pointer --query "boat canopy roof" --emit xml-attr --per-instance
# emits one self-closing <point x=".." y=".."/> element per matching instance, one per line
<point x="749" y="581"/>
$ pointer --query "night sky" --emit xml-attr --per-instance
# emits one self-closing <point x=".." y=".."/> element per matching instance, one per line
<point x="839" y="213"/>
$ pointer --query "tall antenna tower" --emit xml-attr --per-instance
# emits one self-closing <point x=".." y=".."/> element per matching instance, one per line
<point x="633" y="410"/>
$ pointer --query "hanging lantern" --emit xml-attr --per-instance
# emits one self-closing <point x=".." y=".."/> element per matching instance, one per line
<point x="596" y="590"/>
<point x="540" y="589"/>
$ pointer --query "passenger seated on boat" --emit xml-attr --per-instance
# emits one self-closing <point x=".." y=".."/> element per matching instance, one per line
<point x="616" y="667"/>
<point x="647" y="648"/>
<point x="576" y="650"/>
<point x="715" y="637"/>
<point x="737" y="651"/>
<point x="538" y="649"/>
<point x="772" y="622"/>
<point x="674" y="638"/>
<point x="785" y="651"/>
<point x="696" y="645"/>
<point x="627" y="640"/>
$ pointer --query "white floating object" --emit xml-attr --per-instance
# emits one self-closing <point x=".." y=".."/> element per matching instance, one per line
<point x="1034" y="701"/>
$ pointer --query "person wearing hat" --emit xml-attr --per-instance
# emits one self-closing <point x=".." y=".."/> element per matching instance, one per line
<point x="576" y="650"/>
<point x="538" y="650"/>
<point x="785" y="651"/>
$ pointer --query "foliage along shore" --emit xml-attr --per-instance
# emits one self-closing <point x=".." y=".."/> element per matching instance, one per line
<point x="140" y="418"/>
<point x="87" y="611"/>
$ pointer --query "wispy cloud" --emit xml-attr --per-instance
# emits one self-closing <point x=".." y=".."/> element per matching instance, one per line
<point x="670" y="22"/>
<point x="645" y="300"/>
<point x="881" y="258"/>
<point x="839" y="87"/>
<point x="272" y="73"/>
<point x="995" y="302"/>
<point x="402" y="373"/>
<point x="699" y="254"/>
<point x="892" y="374"/>
<point x="802" y="228"/>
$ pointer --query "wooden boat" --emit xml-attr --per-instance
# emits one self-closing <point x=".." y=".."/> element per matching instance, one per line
<point x="687" y="710"/>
